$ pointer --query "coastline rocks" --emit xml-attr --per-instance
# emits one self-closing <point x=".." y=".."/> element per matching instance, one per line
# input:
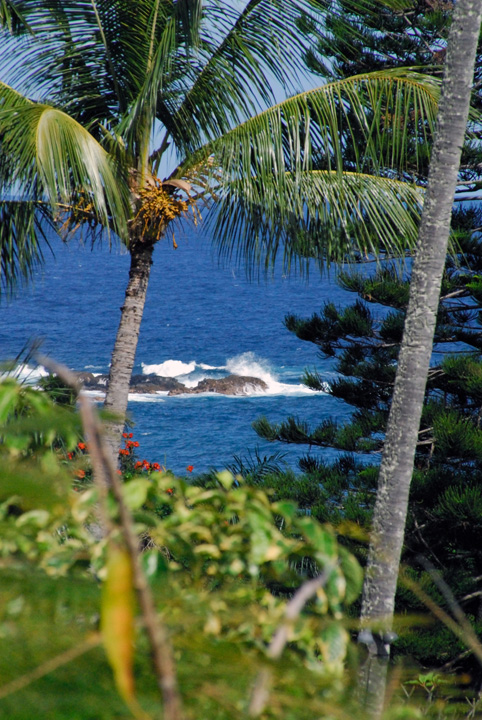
<point x="153" y="384"/>
<point x="230" y="385"/>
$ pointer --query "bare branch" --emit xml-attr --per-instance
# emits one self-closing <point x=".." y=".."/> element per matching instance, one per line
<point x="106" y="475"/>
<point x="260" y="693"/>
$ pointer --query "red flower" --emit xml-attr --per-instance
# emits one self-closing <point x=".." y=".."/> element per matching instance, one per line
<point x="70" y="455"/>
<point x="80" y="473"/>
<point x="169" y="491"/>
<point x="81" y="446"/>
<point x="119" y="472"/>
<point x="124" y="435"/>
<point x="135" y="444"/>
<point x="138" y="464"/>
<point x="131" y="435"/>
<point x="190" y="468"/>
<point x="155" y="466"/>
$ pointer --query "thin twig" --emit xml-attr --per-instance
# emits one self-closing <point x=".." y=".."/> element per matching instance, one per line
<point x="457" y="611"/>
<point x="104" y="470"/>
<point x="260" y="693"/>
<point x="466" y="634"/>
<point x="49" y="666"/>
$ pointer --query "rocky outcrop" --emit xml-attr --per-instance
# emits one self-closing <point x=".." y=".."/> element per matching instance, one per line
<point x="230" y="385"/>
<point x="153" y="384"/>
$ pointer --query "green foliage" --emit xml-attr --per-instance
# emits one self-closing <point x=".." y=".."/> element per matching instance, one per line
<point x="224" y="561"/>
<point x="445" y="507"/>
<point x="320" y="174"/>
<point x="61" y="393"/>
<point x="224" y="558"/>
<point x="36" y="497"/>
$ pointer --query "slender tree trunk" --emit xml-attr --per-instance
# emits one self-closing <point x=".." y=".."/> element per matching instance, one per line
<point x="123" y="355"/>
<point x="415" y="353"/>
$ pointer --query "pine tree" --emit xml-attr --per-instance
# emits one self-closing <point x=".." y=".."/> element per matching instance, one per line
<point x="396" y="34"/>
<point x="367" y="35"/>
<point x="445" y="507"/>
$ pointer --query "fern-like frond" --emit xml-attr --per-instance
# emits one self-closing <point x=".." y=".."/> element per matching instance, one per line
<point x="47" y="155"/>
<point x="23" y="239"/>
<point x="241" y="56"/>
<point x="324" y="215"/>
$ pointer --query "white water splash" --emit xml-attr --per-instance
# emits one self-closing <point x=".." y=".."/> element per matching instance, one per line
<point x="169" y="368"/>
<point x="246" y="364"/>
<point x="25" y="373"/>
<point x="252" y="366"/>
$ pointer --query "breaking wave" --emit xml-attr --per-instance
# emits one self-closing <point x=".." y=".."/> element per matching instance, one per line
<point x="246" y="364"/>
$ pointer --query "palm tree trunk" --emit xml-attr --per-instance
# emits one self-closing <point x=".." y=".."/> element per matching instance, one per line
<point x="415" y="353"/>
<point x="123" y="355"/>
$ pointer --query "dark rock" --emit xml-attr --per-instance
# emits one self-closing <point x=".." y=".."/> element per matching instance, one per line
<point x="138" y="384"/>
<point x="230" y="385"/>
<point x="92" y="382"/>
<point x="153" y="384"/>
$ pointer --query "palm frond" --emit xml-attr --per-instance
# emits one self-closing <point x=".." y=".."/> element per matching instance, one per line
<point x="23" y="228"/>
<point x="242" y="55"/>
<point x="12" y="18"/>
<point x="137" y="124"/>
<point x="329" y="216"/>
<point x="326" y="173"/>
<point x="89" y="56"/>
<point x="47" y="155"/>
<point x="189" y="14"/>
<point x="360" y="123"/>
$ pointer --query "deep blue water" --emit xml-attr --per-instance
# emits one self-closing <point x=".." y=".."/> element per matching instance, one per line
<point x="206" y="316"/>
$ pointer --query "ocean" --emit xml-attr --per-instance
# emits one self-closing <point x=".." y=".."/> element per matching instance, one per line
<point x="202" y="319"/>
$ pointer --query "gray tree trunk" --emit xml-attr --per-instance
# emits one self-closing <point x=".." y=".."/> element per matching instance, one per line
<point x="123" y="355"/>
<point x="415" y="353"/>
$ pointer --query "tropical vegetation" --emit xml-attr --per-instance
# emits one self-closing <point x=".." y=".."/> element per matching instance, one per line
<point x="331" y="173"/>
<point x="361" y="342"/>
<point x="97" y="97"/>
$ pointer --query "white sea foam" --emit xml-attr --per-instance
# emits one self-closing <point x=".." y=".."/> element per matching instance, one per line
<point x="26" y="373"/>
<point x="93" y="393"/>
<point x="147" y="397"/>
<point x="247" y="364"/>
<point x="169" y="368"/>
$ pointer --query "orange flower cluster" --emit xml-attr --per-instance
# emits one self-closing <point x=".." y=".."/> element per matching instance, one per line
<point x="80" y="474"/>
<point x="129" y="444"/>
<point x="190" y="468"/>
<point x="142" y="464"/>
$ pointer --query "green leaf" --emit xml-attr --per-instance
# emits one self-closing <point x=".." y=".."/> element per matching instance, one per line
<point x="135" y="492"/>
<point x="117" y="620"/>
<point x="42" y="144"/>
<point x="353" y="574"/>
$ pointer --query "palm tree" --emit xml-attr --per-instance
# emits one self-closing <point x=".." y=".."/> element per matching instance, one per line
<point x="416" y="350"/>
<point x="98" y="95"/>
